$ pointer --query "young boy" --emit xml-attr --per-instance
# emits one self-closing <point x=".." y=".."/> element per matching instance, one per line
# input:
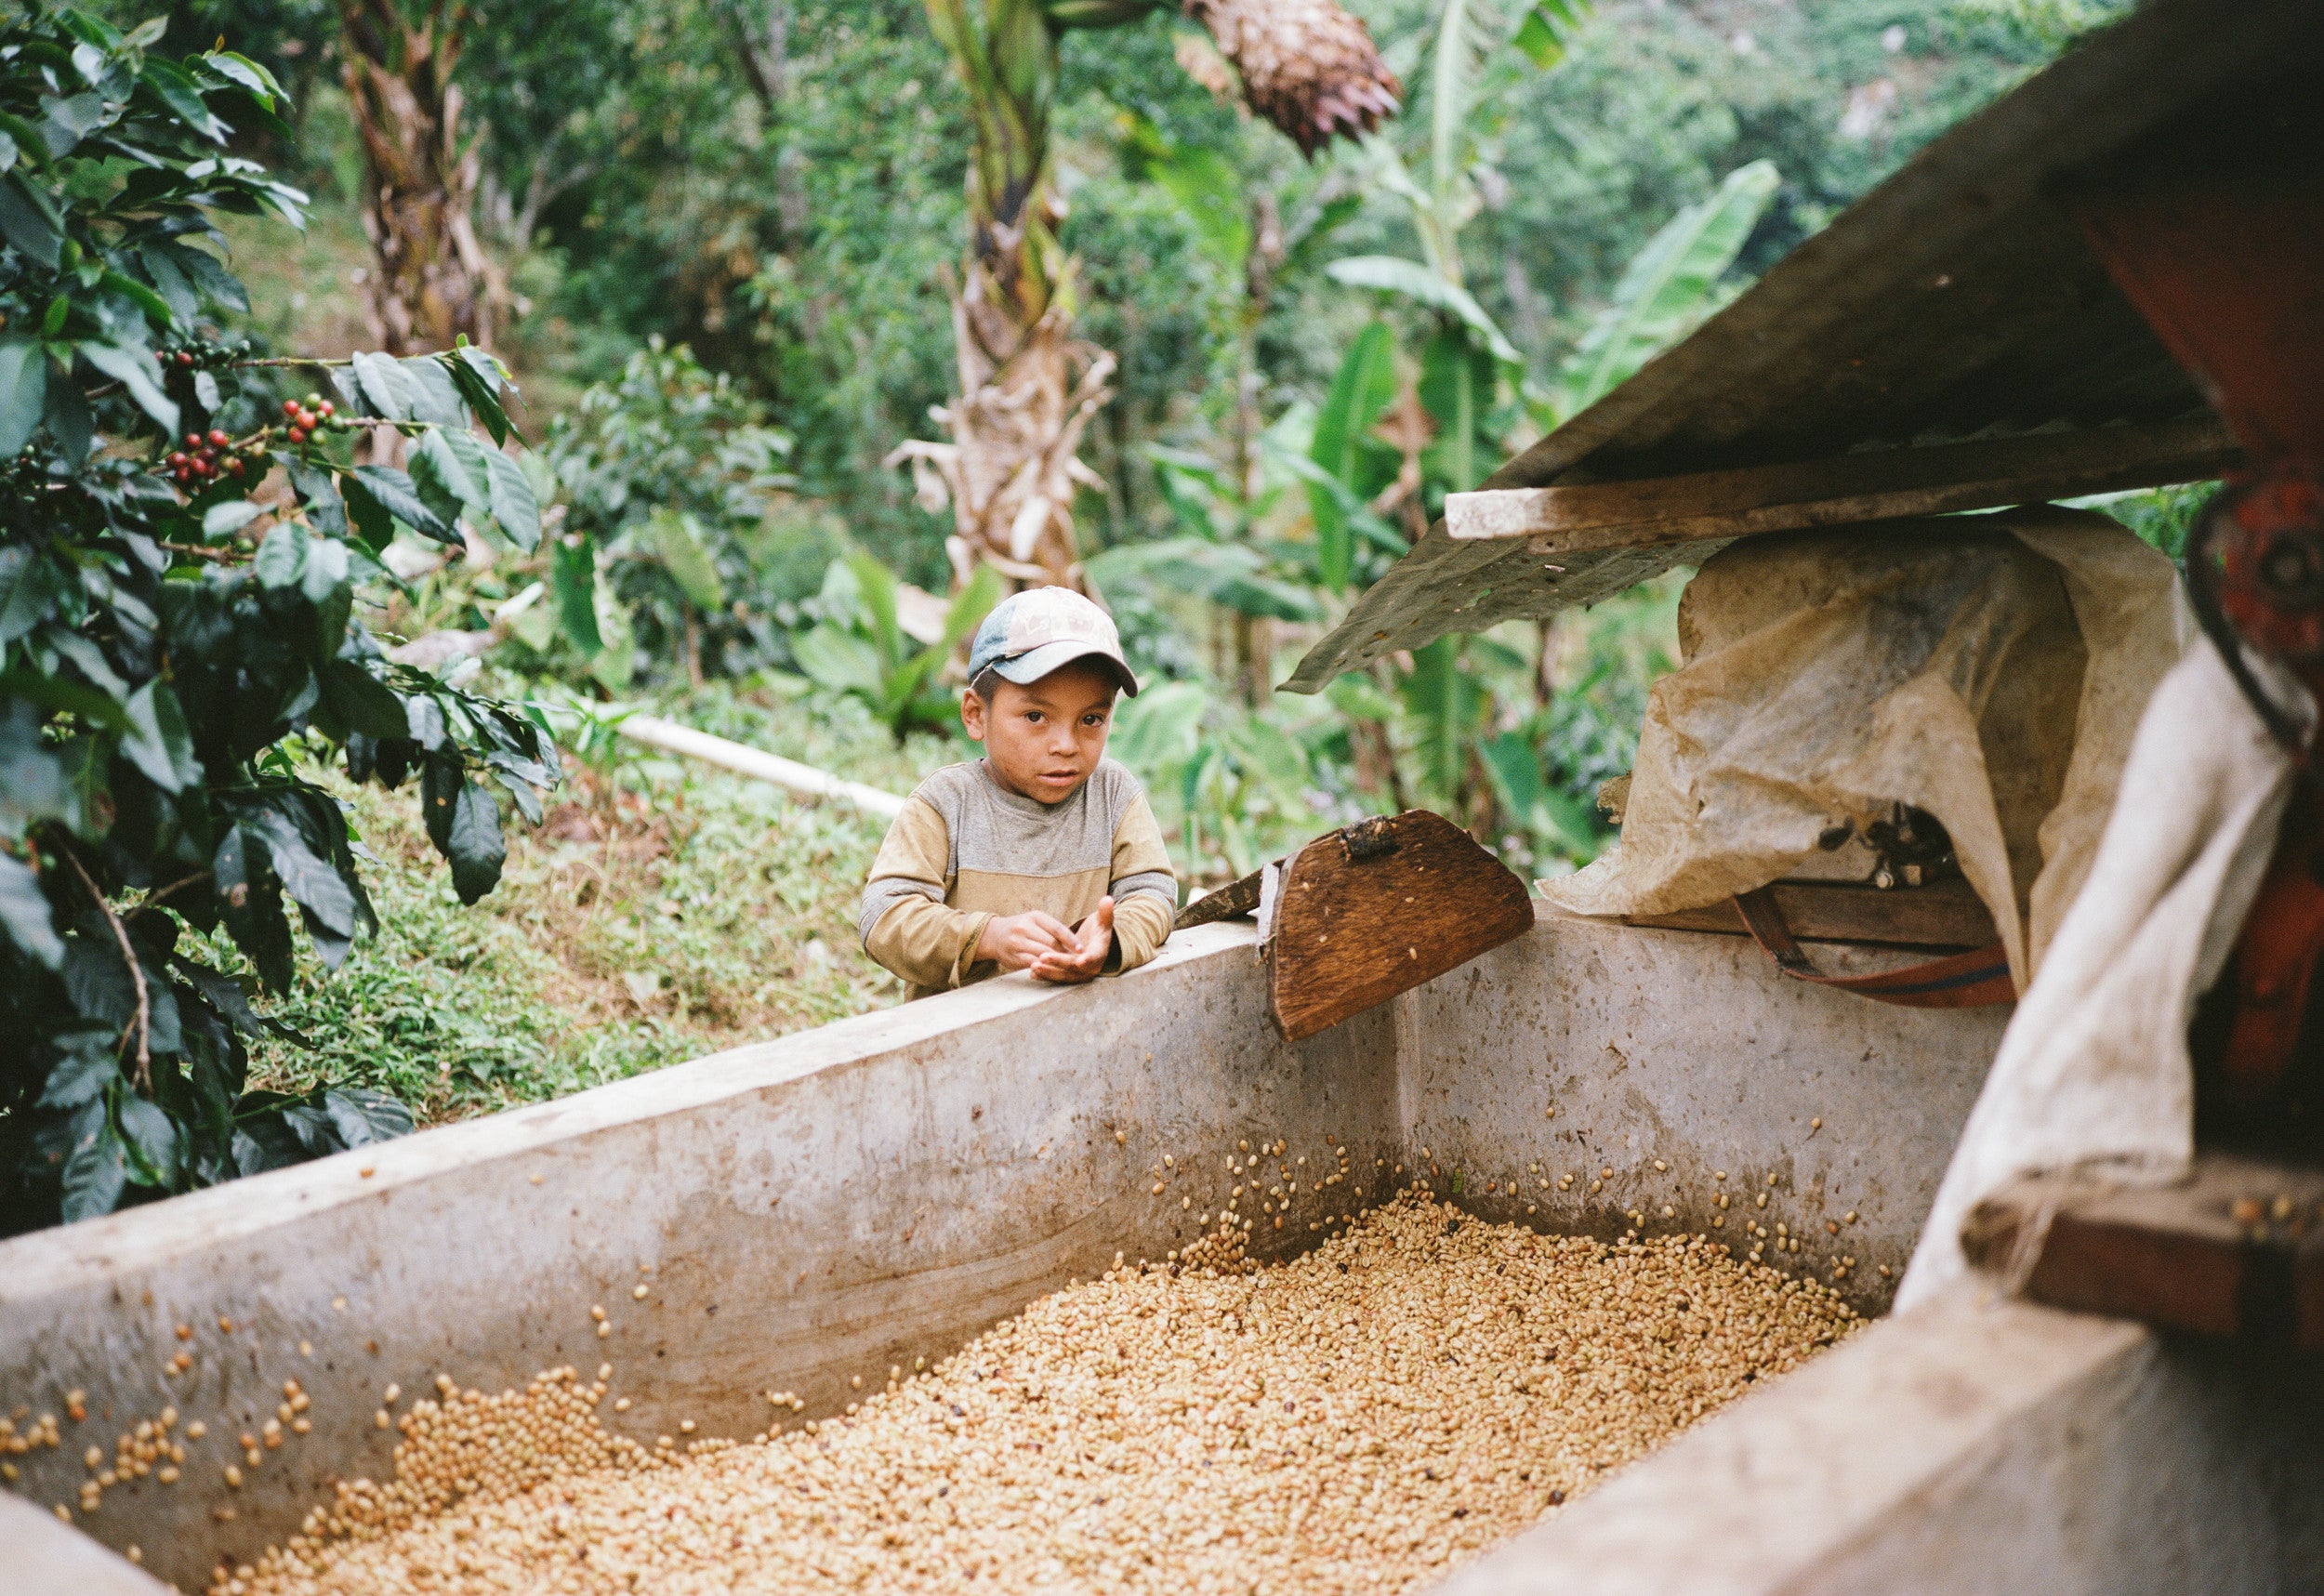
<point x="1042" y="855"/>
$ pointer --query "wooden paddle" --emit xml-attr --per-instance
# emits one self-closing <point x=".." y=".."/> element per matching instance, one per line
<point x="1370" y="911"/>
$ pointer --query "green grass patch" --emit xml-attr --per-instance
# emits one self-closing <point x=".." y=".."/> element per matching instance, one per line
<point x="661" y="911"/>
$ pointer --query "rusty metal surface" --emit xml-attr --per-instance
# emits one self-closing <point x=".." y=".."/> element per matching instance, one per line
<point x="1958" y="299"/>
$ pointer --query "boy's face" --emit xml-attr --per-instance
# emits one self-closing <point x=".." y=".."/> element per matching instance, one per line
<point x="1043" y="740"/>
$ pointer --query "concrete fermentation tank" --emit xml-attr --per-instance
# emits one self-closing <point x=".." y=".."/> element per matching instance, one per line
<point x="886" y="1188"/>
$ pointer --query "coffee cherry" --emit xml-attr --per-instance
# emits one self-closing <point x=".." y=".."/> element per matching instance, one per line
<point x="235" y="466"/>
<point x="194" y="440"/>
<point x="290" y="407"/>
<point x="311" y="400"/>
<point x="325" y="409"/>
<point x="185" y="357"/>
<point x="297" y="435"/>
<point x="218" y="439"/>
<point x="177" y="458"/>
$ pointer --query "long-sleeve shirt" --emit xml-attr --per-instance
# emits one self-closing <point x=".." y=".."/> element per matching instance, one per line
<point x="965" y="850"/>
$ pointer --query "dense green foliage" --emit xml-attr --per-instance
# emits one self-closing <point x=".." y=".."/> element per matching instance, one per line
<point x="178" y="635"/>
<point x="727" y="233"/>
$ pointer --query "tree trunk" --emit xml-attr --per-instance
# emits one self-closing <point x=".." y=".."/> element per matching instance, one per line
<point x="430" y="281"/>
<point x="1027" y="393"/>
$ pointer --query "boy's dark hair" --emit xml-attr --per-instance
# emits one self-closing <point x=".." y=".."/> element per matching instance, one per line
<point x="987" y="682"/>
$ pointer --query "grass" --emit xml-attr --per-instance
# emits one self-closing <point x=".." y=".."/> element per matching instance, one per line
<point x="659" y="914"/>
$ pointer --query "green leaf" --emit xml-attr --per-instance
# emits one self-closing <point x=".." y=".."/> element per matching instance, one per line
<point x="250" y="902"/>
<point x="1547" y="30"/>
<point x="1393" y="274"/>
<point x="1365" y="386"/>
<point x="68" y="422"/>
<point x="572" y="577"/>
<point x="363" y="1116"/>
<point x="434" y="395"/>
<point x="230" y="516"/>
<point x="312" y="881"/>
<point x="157" y="742"/>
<point x="24" y="914"/>
<point x="136" y="370"/>
<point x="94" y="1174"/>
<point x="84" y="1071"/>
<point x="65" y="122"/>
<point x="513" y="503"/>
<point x="245" y="73"/>
<point x="178" y="91"/>
<point x="319" y="491"/>
<point x="30" y="588"/>
<point x="839" y="660"/>
<point x="142" y="296"/>
<point x="385" y="386"/>
<point x="152" y="1141"/>
<point x="394" y="493"/>
<point x="23" y="392"/>
<point x="1456" y="389"/>
<point x="1668" y="288"/>
<point x="360" y="700"/>
<point x="30" y="222"/>
<point x="282" y="559"/>
<point x="482" y="399"/>
<point x="464" y="824"/>
<point x="449" y="475"/>
<point x="678" y="541"/>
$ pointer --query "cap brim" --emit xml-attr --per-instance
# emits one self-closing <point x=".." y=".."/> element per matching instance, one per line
<point x="1035" y="664"/>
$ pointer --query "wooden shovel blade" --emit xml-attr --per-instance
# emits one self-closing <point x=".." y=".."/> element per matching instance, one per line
<point x="1376" y="909"/>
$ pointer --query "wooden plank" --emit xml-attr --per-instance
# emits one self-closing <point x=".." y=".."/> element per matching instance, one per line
<point x="1375" y="910"/>
<point x="1942" y="915"/>
<point x="1874" y="485"/>
<point x="2234" y="1249"/>
<point x="1229" y="901"/>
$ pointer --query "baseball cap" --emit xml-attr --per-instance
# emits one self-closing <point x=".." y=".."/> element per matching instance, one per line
<point x="1032" y="633"/>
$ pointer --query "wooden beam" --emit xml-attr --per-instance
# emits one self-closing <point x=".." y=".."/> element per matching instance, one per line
<point x="1873" y="485"/>
<point x="1942" y="915"/>
<point x="2234" y="1249"/>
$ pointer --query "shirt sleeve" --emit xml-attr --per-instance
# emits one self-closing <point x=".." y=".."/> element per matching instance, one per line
<point x="1144" y="887"/>
<point x="906" y="924"/>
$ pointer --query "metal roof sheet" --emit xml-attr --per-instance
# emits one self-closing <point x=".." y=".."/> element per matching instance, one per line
<point x="1958" y="301"/>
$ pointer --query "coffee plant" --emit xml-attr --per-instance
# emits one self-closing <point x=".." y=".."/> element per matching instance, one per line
<point x="184" y="520"/>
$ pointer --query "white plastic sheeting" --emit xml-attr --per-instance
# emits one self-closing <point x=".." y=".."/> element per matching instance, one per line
<point x="2093" y="1071"/>
<point x="1989" y="671"/>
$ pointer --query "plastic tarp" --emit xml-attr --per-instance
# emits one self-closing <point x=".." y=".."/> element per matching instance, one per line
<point x="2093" y="1074"/>
<point x="1989" y="669"/>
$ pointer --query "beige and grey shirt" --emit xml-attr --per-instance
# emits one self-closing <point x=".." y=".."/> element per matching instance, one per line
<point x="964" y="848"/>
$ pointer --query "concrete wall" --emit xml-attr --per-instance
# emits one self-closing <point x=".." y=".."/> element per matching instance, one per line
<point x="1967" y="1448"/>
<point x="838" y="1200"/>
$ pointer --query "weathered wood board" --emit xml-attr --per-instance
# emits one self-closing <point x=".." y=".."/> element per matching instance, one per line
<point x="2234" y="1249"/>
<point x="1378" y="908"/>
<point x="1941" y="915"/>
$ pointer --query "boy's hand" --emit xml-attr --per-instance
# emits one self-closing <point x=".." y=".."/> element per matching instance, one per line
<point x="1019" y="941"/>
<point x="1088" y="944"/>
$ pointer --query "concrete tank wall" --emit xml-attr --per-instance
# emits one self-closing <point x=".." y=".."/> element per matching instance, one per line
<point x="831" y="1203"/>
